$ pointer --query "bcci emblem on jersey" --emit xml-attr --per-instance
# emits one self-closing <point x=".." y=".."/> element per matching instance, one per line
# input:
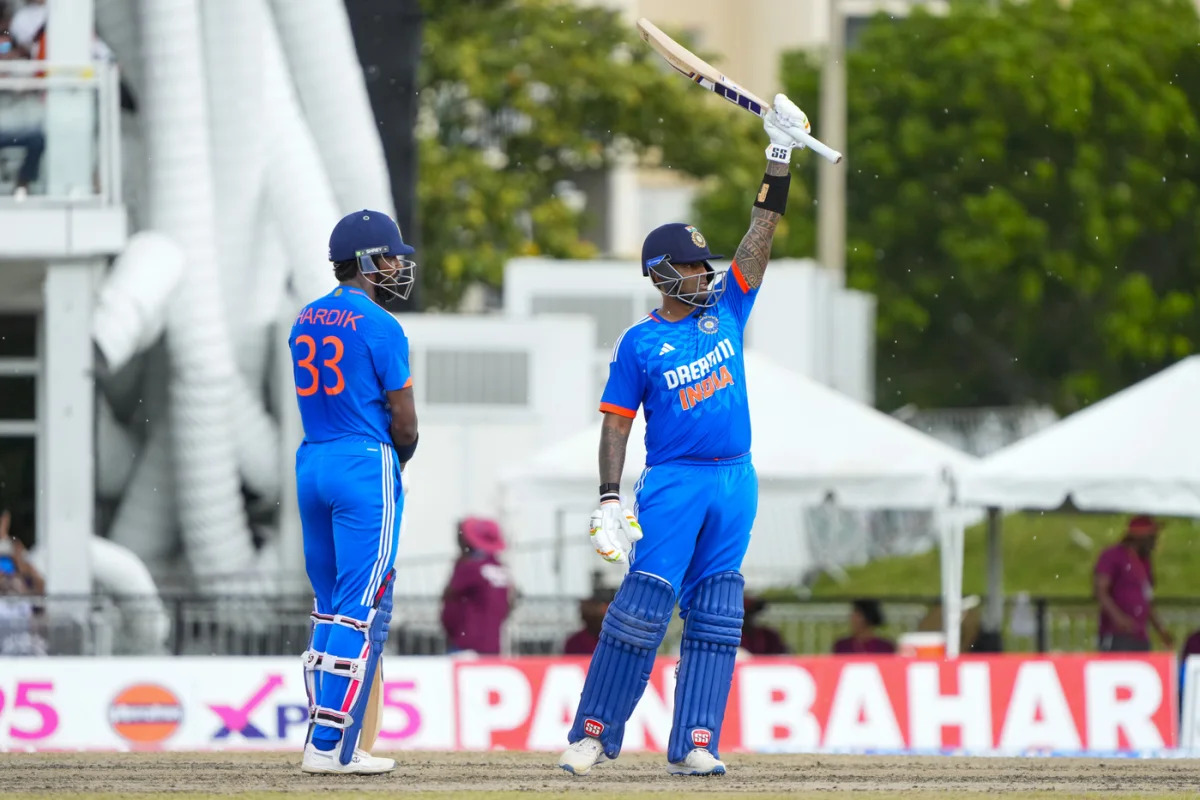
<point x="707" y="324"/>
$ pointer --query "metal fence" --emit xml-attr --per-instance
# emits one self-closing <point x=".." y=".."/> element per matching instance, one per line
<point x="190" y="625"/>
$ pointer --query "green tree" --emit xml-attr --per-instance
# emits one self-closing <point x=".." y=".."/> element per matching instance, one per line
<point x="518" y="95"/>
<point x="1023" y="192"/>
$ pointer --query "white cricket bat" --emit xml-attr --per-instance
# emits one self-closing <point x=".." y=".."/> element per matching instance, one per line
<point x="705" y="74"/>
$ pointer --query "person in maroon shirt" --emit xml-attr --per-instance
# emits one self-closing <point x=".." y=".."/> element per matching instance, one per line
<point x="591" y="610"/>
<point x="477" y="599"/>
<point x="865" y="617"/>
<point x="1123" y="584"/>
<point x="759" y="640"/>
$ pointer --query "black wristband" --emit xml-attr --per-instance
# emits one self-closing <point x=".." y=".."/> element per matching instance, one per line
<point x="773" y="194"/>
<point x="406" y="453"/>
<point x="610" y="488"/>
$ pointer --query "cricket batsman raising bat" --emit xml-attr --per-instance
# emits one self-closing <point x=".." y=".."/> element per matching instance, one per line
<point x="687" y="533"/>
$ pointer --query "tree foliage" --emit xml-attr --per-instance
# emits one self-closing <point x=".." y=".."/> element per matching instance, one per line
<point x="1023" y="196"/>
<point x="519" y="95"/>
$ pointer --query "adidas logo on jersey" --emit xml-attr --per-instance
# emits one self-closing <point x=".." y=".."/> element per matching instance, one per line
<point x="666" y="348"/>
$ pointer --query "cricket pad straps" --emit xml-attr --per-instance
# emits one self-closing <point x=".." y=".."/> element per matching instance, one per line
<point x="772" y="196"/>
<point x="712" y="633"/>
<point x="360" y="670"/>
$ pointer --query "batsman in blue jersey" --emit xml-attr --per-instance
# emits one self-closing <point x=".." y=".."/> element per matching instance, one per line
<point x="350" y="362"/>
<point x="697" y="497"/>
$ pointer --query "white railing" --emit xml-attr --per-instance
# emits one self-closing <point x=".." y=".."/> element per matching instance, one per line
<point x="48" y="81"/>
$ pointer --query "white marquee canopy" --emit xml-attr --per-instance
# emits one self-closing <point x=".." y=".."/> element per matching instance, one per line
<point x="1137" y="451"/>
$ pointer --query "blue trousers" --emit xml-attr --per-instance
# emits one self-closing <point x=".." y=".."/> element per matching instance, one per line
<point x="696" y="518"/>
<point x="350" y="504"/>
<point x="33" y="141"/>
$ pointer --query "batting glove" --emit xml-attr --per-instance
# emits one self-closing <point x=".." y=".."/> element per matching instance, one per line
<point x="614" y="531"/>
<point x="783" y="124"/>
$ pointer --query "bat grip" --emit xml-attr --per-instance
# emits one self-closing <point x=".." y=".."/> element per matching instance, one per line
<point x="820" y="148"/>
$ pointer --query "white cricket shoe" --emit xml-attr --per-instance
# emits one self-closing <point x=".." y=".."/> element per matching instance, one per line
<point x="326" y="761"/>
<point x="580" y="757"/>
<point x="698" y="762"/>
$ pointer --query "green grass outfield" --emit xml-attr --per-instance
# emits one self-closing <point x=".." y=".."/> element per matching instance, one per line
<point x="1040" y="557"/>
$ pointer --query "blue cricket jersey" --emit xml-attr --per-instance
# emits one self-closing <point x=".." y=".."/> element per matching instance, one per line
<point x="689" y="378"/>
<point x="347" y="353"/>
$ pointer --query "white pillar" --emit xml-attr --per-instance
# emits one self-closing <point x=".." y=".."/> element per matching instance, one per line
<point x="66" y="479"/>
<point x="624" y="225"/>
<point x="951" y="549"/>
<point x="70" y="113"/>
<point x="831" y="129"/>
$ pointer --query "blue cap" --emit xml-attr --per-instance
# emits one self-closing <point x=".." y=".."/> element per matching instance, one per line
<point x="678" y="242"/>
<point x="366" y="233"/>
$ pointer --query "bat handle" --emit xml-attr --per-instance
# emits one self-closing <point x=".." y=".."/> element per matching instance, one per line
<point x="820" y="148"/>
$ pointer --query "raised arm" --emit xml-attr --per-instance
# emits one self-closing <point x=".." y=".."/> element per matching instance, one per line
<point x="755" y="250"/>
<point x="782" y="124"/>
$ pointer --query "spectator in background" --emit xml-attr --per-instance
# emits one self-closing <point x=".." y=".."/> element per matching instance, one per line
<point x="1123" y="585"/>
<point x="27" y="28"/>
<point x="591" y="610"/>
<point x="21" y="113"/>
<point x="757" y="639"/>
<point x="20" y="583"/>
<point x="866" y="617"/>
<point x="478" y="598"/>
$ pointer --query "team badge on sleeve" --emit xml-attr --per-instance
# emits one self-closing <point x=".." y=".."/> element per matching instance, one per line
<point x="707" y="324"/>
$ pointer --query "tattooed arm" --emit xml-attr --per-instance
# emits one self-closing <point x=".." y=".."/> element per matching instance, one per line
<point x="614" y="436"/>
<point x="755" y="250"/>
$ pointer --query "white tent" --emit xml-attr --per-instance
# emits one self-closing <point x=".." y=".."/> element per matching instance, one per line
<point x="1136" y="451"/>
<point x="809" y="442"/>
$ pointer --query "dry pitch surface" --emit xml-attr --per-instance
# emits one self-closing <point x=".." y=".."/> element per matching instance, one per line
<point x="501" y="776"/>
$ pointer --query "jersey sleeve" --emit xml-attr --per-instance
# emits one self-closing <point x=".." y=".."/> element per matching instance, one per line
<point x="738" y="297"/>
<point x="626" y="379"/>
<point x="389" y="356"/>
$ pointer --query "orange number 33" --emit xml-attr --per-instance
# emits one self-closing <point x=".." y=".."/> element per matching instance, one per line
<point x="306" y="363"/>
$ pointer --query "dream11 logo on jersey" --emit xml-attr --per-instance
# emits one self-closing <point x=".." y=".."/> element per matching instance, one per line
<point x="237" y="719"/>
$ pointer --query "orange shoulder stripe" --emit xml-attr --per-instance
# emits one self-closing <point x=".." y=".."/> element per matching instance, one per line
<point x="609" y="408"/>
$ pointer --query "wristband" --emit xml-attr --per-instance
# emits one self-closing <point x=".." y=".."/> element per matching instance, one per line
<point x="780" y="153"/>
<point x="406" y="453"/>
<point x="773" y="194"/>
<point x="610" y="488"/>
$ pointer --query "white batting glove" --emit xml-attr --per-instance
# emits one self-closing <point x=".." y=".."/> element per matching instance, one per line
<point x="783" y="124"/>
<point x="613" y="531"/>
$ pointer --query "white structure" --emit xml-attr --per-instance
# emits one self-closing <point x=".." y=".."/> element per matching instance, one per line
<point x="1134" y="451"/>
